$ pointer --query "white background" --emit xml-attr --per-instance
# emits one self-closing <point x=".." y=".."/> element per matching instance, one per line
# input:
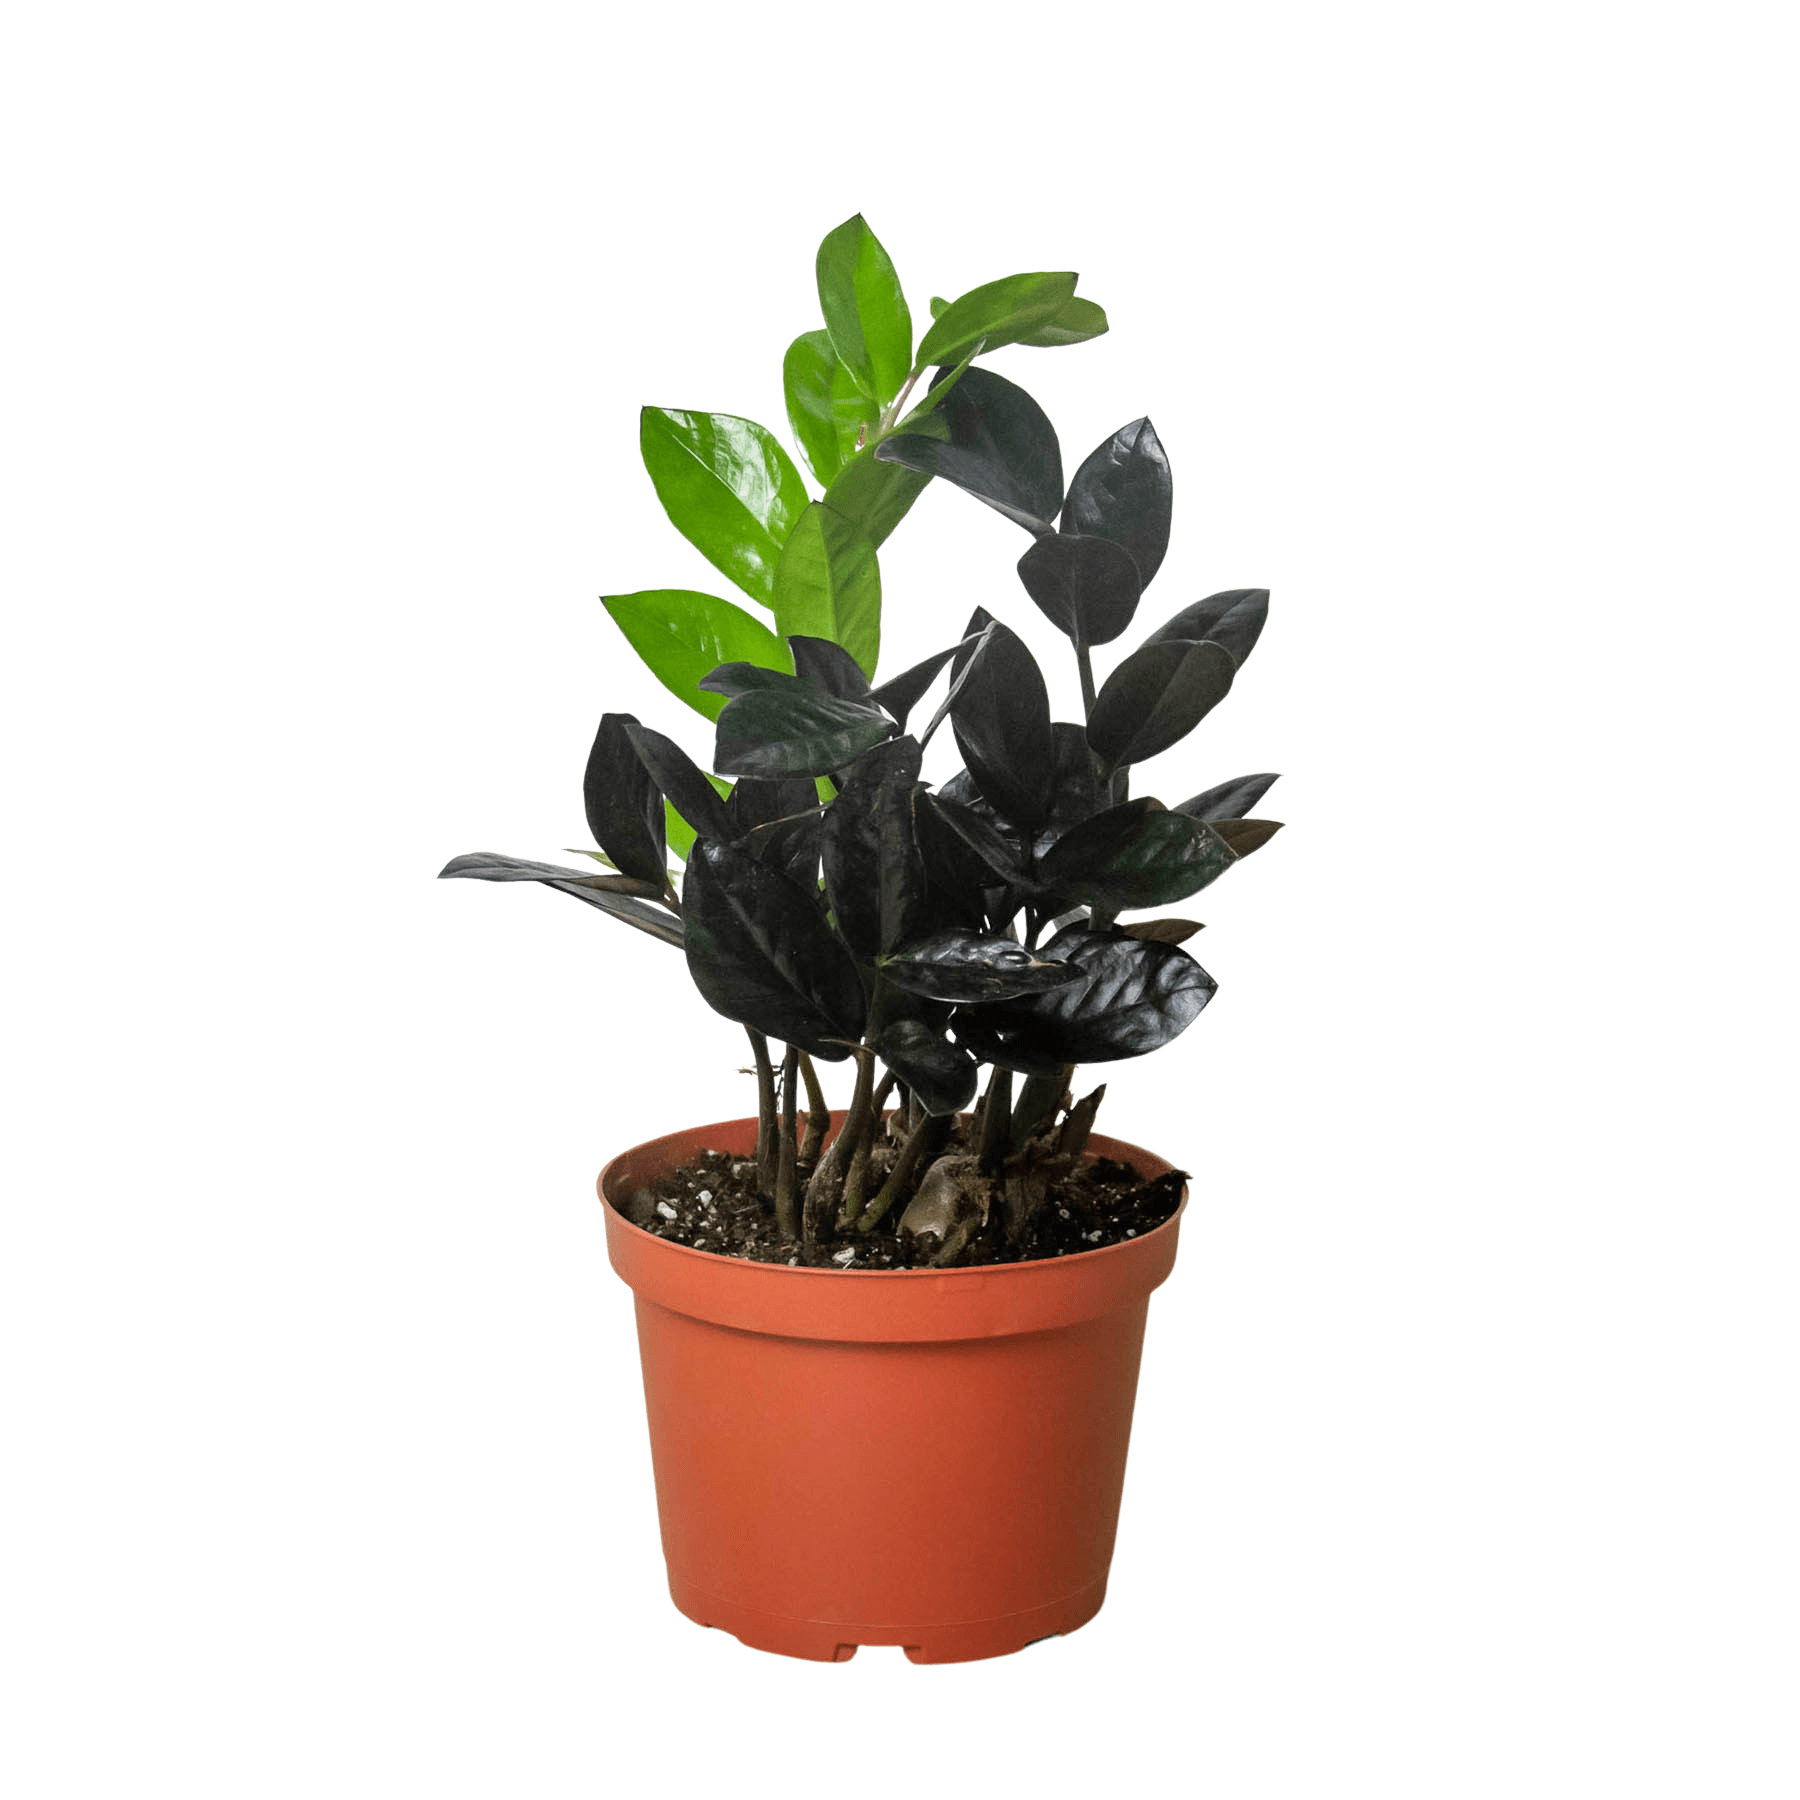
<point x="1465" y="1457"/>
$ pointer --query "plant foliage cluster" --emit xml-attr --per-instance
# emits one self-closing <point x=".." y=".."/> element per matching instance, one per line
<point x="832" y="901"/>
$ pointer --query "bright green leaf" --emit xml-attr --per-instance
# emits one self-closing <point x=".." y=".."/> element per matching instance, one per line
<point x="865" y="311"/>
<point x="1000" y="313"/>
<point x="729" y="488"/>
<point x="1075" y="324"/>
<point x="874" y="496"/>
<point x="682" y="636"/>
<point x="828" y="585"/>
<point x="825" y="409"/>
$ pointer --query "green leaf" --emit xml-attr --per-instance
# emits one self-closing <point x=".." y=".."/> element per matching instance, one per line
<point x="865" y="311"/>
<point x="1075" y="324"/>
<point x="1001" y="312"/>
<point x="728" y="487"/>
<point x="828" y="585"/>
<point x="939" y="306"/>
<point x="825" y="410"/>
<point x="682" y="636"/>
<point x="873" y="495"/>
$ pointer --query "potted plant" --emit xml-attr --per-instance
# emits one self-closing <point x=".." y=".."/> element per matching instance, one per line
<point x="890" y="1352"/>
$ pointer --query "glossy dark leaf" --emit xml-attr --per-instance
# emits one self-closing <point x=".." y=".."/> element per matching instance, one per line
<point x="959" y="880"/>
<point x="1155" y="697"/>
<point x="728" y="487"/>
<point x="940" y="1073"/>
<point x="1075" y="794"/>
<point x="1000" y="447"/>
<point x="756" y="801"/>
<point x="1134" y="855"/>
<point x="874" y="877"/>
<point x="1234" y="618"/>
<point x="826" y="410"/>
<point x="1230" y="799"/>
<point x="484" y="865"/>
<point x="828" y="585"/>
<point x="1085" y="586"/>
<point x="760" y="952"/>
<point x="968" y="966"/>
<point x="1001" y="717"/>
<point x="681" y="782"/>
<point x="681" y="636"/>
<point x="899" y="696"/>
<point x="865" y="311"/>
<point x="729" y="680"/>
<point x="1078" y="321"/>
<point x="1124" y="492"/>
<point x="995" y="314"/>
<point x="1163" y="931"/>
<point x="874" y="496"/>
<point x="789" y="842"/>
<point x="680" y="831"/>
<point x="795" y="731"/>
<point x="829" y="667"/>
<point x="624" y="809"/>
<point x="1138" y="995"/>
<point x="980" y="838"/>
<point x="1247" y="835"/>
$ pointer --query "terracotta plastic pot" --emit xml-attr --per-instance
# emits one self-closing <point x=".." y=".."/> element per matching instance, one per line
<point x="932" y="1459"/>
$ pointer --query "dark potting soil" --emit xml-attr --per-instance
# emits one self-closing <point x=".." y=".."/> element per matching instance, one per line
<point x="711" y="1204"/>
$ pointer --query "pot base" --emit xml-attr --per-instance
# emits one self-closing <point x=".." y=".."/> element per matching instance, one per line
<point x="818" y="1640"/>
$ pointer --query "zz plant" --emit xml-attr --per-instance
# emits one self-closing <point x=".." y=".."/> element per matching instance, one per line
<point x="948" y="941"/>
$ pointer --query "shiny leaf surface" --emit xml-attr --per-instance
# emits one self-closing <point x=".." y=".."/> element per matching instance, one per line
<point x="829" y="667"/>
<point x="728" y="487"/>
<point x="1124" y="493"/>
<point x="967" y="966"/>
<point x="940" y="1073"/>
<point x="1001" y="717"/>
<point x="1155" y="697"/>
<point x="1136" y="997"/>
<point x="484" y="865"/>
<point x="683" y="784"/>
<point x="1134" y="855"/>
<point x="1230" y="799"/>
<point x="1234" y="618"/>
<point x="1078" y="321"/>
<point x="997" y="313"/>
<point x="874" y="877"/>
<point x="680" y="833"/>
<point x="865" y="312"/>
<point x="1086" y="587"/>
<point x="682" y="636"/>
<point x="624" y="809"/>
<point x="906" y="690"/>
<point x="1000" y="447"/>
<point x="874" y="496"/>
<point x="795" y="731"/>
<point x="780" y="823"/>
<point x="825" y="408"/>
<point x="760" y="952"/>
<point x="828" y="585"/>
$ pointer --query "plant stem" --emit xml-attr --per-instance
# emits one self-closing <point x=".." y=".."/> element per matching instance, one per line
<point x="818" y="1114"/>
<point x="1038" y="1101"/>
<point x="859" y="1157"/>
<point x="996" y="1121"/>
<point x="765" y="1114"/>
<point x="1084" y="661"/>
<point x="899" y="1180"/>
<point x="787" y="1212"/>
<point x="826" y="1185"/>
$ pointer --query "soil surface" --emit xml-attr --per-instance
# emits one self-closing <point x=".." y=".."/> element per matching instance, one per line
<point x="711" y="1204"/>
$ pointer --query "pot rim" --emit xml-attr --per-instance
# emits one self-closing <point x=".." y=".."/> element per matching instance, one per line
<point x="1098" y="1145"/>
